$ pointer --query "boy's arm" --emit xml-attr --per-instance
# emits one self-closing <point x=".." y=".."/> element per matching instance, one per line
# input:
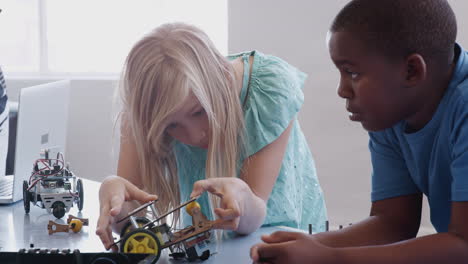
<point x="449" y="248"/>
<point x="391" y="220"/>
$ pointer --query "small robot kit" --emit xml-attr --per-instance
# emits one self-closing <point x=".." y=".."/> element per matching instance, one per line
<point x="73" y="223"/>
<point x="145" y="236"/>
<point x="52" y="185"/>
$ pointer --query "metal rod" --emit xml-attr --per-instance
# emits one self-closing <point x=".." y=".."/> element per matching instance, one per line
<point x="155" y="213"/>
<point x="133" y="221"/>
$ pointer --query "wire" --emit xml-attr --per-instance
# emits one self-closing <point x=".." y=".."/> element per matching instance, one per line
<point x="73" y="194"/>
<point x="41" y="174"/>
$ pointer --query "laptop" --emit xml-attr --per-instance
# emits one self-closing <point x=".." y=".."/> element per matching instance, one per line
<point x="42" y="123"/>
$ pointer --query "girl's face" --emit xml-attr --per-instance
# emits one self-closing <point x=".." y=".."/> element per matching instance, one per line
<point x="189" y="124"/>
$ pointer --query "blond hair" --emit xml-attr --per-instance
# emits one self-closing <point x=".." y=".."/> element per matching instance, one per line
<point x="160" y="72"/>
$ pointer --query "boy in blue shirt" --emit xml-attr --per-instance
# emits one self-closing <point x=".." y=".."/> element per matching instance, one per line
<point x="406" y="81"/>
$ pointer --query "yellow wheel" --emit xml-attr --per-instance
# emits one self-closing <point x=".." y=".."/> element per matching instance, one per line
<point x="141" y="241"/>
<point x="75" y="225"/>
<point x="192" y="206"/>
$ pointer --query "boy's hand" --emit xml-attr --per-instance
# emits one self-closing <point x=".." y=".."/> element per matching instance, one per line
<point x="233" y="192"/>
<point x="291" y="247"/>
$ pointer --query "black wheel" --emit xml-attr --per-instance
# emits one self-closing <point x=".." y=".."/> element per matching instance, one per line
<point x="177" y="255"/>
<point x="106" y="258"/>
<point x="205" y="255"/>
<point x="103" y="260"/>
<point x="191" y="254"/>
<point x="58" y="209"/>
<point x="26" y="197"/>
<point x="141" y="221"/>
<point x="79" y="188"/>
<point x="141" y="241"/>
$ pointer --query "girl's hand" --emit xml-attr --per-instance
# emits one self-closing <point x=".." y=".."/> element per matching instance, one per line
<point x="114" y="191"/>
<point x="233" y="193"/>
<point x="292" y="247"/>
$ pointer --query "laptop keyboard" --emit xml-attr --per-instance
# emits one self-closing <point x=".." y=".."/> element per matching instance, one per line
<point x="6" y="186"/>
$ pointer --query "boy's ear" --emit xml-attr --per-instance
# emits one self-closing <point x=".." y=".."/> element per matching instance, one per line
<point x="416" y="69"/>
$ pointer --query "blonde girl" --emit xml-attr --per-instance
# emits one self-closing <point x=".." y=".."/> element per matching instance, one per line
<point x="195" y="121"/>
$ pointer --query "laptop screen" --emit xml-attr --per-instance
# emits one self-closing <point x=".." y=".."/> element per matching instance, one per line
<point x="42" y="123"/>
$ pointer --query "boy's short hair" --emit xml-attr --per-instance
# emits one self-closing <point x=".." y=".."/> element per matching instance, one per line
<point x="401" y="27"/>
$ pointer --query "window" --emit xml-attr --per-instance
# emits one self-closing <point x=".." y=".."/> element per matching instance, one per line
<point x="19" y="36"/>
<point x="54" y="37"/>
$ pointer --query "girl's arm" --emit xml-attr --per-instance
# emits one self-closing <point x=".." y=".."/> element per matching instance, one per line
<point x="243" y="201"/>
<point x="260" y="172"/>
<point x="127" y="168"/>
<point x="117" y="194"/>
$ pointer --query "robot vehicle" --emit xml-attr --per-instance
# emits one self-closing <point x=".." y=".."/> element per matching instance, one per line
<point x="52" y="185"/>
<point x="145" y="236"/>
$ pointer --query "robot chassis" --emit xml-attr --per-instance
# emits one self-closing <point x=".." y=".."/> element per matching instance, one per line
<point x="145" y="236"/>
<point x="52" y="185"/>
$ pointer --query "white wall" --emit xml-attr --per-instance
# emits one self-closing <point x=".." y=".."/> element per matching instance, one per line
<point x="293" y="30"/>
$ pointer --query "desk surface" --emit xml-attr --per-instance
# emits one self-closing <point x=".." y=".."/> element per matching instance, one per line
<point x="19" y="230"/>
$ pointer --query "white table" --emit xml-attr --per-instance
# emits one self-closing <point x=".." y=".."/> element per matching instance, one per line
<point x="19" y="230"/>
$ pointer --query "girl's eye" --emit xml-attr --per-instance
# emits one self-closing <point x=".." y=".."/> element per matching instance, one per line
<point x="200" y="112"/>
<point x="171" y="126"/>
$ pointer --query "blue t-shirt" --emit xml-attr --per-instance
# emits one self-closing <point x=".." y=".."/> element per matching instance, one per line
<point x="433" y="160"/>
<point x="271" y="98"/>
